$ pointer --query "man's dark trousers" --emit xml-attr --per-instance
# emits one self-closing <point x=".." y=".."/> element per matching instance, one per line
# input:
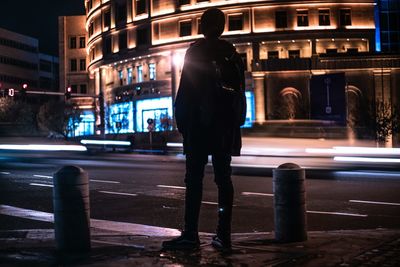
<point x="195" y="164"/>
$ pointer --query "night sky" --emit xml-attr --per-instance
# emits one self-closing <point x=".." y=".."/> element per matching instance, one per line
<point x="38" y="18"/>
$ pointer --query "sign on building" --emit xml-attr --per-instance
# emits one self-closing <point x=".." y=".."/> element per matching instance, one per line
<point x="328" y="97"/>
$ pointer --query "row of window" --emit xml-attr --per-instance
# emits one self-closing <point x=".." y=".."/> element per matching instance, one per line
<point x="236" y="22"/>
<point x="17" y="80"/>
<point x="82" y="88"/>
<point x="73" y="64"/>
<point x="139" y="74"/>
<point x="18" y="45"/>
<point x="274" y="54"/>
<point x="73" y="42"/>
<point x="18" y="63"/>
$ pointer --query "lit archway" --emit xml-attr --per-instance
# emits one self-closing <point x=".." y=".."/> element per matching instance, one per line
<point x="291" y="100"/>
<point x="354" y="97"/>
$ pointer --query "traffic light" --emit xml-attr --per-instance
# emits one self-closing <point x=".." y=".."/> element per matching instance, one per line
<point x="68" y="93"/>
<point x="23" y="90"/>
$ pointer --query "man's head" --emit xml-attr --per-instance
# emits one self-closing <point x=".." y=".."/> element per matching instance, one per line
<point x="212" y="23"/>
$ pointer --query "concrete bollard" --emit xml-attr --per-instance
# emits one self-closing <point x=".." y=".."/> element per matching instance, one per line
<point x="71" y="209"/>
<point x="289" y="203"/>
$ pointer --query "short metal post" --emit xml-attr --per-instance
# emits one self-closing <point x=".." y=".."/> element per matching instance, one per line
<point x="289" y="203"/>
<point x="71" y="209"/>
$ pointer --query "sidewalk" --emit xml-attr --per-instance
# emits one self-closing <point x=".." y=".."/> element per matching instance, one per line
<point x="377" y="247"/>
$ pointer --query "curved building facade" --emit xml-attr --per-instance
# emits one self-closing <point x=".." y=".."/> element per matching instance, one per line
<point x="136" y="50"/>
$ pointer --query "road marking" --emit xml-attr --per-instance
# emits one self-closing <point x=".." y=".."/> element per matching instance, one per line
<point x="43" y="185"/>
<point x="171" y="186"/>
<point x="256" y="194"/>
<point x="374" y="202"/>
<point x="5" y="173"/>
<point x="105" y="181"/>
<point x="337" y="213"/>
<point x="209" y="203"/>
<point x="43" y="176"/>
<point x="118" y="193"/>
<point x="127" y="228"/>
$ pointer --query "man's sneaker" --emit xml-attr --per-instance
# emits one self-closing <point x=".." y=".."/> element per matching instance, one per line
<point x="221" y="244"/>
<point x="183" y="242"/>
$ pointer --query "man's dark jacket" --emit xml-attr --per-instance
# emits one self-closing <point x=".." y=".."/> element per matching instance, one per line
<point x="223" y="137"/>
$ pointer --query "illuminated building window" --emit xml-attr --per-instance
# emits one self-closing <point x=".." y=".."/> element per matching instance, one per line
<point x="185" y="28"/>
<point x="85" y="126"/>
<point x="139" y="70"/>
<point x="294" y="53"/>
<point x="345" y="16"/>
<point x="120" y="118"/>
<point x="89" y="5"/>
<point x="302" y="18"/>
<point x="273" y="54"/>
<point x="235" y="22"/>
<point x="82" y="42"/>
<point x="72" y="42"/>
<point x="183" y="2"/>
<point x="92" y="53"/>
<point x="140" y="7"/>
<point x="158" y="109"/>
<point x="122" y="41"/>
<point x="83" y="88"/>
<point x="129" y="72"/>
<point x="82" y="64"/>
<point x="107" y="18"/>
<point x="152" y="71"/>
<point x="91" y="29"/>
<point x="331" y="51"/>
<point x="324" y="17"/>
<point x="142" y="36"/>
<point x="121" y="77"/>
<point x="250" y="112"/>
<point x="73" y="65"/>
<point x="107" y="45"/>
<point x="280" y="19"/>
<point x="120" y="12"/>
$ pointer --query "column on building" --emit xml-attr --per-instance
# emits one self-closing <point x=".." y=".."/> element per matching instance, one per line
<point x="259" y="96"/>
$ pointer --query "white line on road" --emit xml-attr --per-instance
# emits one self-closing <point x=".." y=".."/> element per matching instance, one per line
<point x="374" y="202"/>
<point x="5" y="173"/>
<point x="42" y="176"/>
<point x="256" y="194"/>
<point x="209" y="203"/>
<point x="170" y="186"/>
<point x="129" y="228"/>
<point x="43" y="185"/>
<point x="118" y="193"/>
<point x="337" y="213"/>
<point x="105" y="181"/>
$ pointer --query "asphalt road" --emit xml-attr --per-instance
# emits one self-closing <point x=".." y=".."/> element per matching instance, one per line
<point x="149" y="189"/>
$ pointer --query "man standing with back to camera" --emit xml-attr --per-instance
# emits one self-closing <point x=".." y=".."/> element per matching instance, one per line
<point x="210" y="107"/>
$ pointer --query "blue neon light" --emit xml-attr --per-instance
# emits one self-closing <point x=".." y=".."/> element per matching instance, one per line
<point x="85" y="126"/>
<point x="120" y="118"/>
<point x="158" y="109"/>
<point x="377" y="27"/>
<point x="250" y="113"/>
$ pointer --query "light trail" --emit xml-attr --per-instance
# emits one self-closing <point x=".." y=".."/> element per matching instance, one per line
<point x="337" y="213"/>
<point x="38" y="147"/>
<point x="256" y="194"/>
<point x="366" y="159"/>
<point x="105" y="142"/>
<point x="171" y="186"/>
<point x="105" y="181"/>
<point x="43" y="176"/>
<point x="42" y="185"/>
<point x="118" y="193"/>
<point x="374" y="202"/>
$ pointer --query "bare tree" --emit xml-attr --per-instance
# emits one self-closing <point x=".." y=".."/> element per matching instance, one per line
<point x="59" y="117"/>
